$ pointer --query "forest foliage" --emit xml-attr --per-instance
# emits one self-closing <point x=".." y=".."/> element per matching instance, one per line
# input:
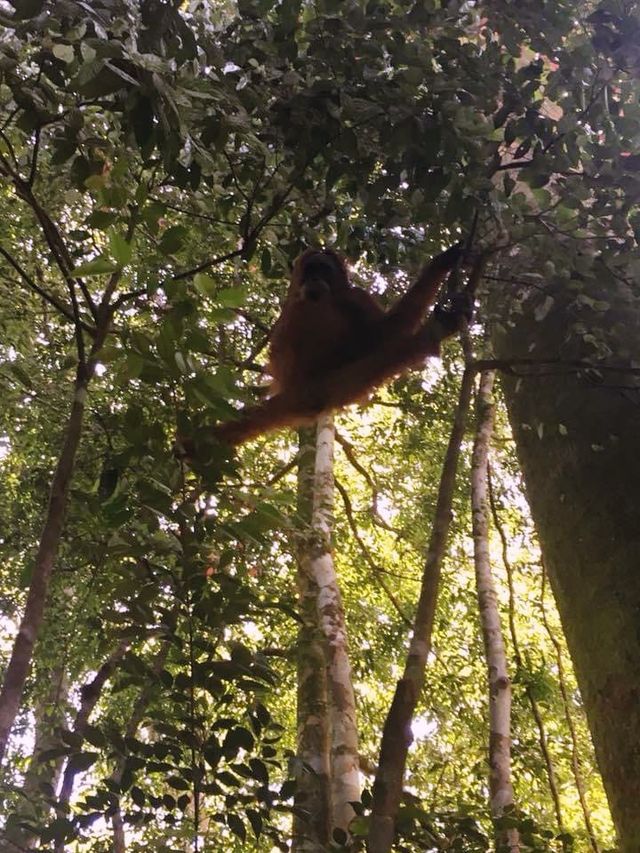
<point x="161" y="165"/>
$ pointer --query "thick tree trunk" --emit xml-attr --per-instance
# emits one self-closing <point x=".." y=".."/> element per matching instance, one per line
<point x="577" y="435"/>
<point x="567" y="705"/>
<point x="529" y="689"/>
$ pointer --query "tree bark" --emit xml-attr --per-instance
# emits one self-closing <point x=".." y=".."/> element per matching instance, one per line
<point x="312" y="817"/>
<point x="500" y="788"/>
<point x="328" y="735"/>
<point x="345" y="770"/>
<point x="576" y="433"/>
<point x="89" y="694"/>
<point x="41" y="775"/>
<point x="20" y="661"/>
<point x="568" y="716"/>
<point x="396" y="735"/>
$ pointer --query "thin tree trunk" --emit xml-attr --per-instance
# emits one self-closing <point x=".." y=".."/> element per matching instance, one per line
<point x="49" y="714"/>
<point x="90" y="694"/>
<point x="327" y="732"/>
<point x="345" y="776"/>
<point x="397" y="736"/>
<point x="533" y="704"/>
<point x="566" y="704"/>
<point x="500" y="789"/>
<point x="139" y="709"/>
<point x="312" y="817"/>
<point x="33" y="616"/>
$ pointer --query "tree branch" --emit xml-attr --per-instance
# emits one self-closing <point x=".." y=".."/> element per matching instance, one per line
<point x="212" y="262"/>
<point x="56" y="243"/>
<point x="508" y="365"/>
<point x="32" y="285"/>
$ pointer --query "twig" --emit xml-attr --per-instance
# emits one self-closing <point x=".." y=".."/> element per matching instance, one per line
<point x="349" y="452"/>
<point x="34" y="158"/>
<point x="211" y="262"/>
<point x="367" y="555"/>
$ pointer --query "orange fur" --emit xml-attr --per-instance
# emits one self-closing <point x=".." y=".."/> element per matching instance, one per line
<point x="333" y="342"/>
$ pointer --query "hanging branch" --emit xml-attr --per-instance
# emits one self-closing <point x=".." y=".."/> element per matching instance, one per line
<point x="500" y="788"/>
<point x="396" y="735"/>
<point x="350" y="453"/>
<point x="58" y="248"/>
<point x="533" y="704"/>
<point x="251" y="234"/>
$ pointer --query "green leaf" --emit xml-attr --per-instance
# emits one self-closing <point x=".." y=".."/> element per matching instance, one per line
<point x="173" y="239"/>
<point x="101" y="219"/>
<point x="64" y="52"/>
<point x="95" y="737"/>
<point x="178" y="784"/>
<point x="20" y="374"/>
<point x="259" y="770"/>
<point x="137" y="795"/>
<point x="238" y="738"/>
<point x="205" y="285"/>
<point x="231" y="297"/>
<point x="83" y="760"/>
<point x="60" y="829"/>
<point x="121" y="249"/>
<point x="237" y="826"/>
<point x="134" y="366"/>
<point x="99" y="266"/>
<point x="183" y="367"/>
<point x="255" y="819"/>
<point x="27" y="8"/>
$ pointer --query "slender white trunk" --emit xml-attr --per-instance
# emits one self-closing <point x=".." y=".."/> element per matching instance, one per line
<point x="312" y="818"/>
<point x="501" y="791"/>
<point x="345" y="776"/>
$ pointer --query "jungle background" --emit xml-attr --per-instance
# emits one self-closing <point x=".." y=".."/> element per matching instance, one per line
<point x="202" y="654"/>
